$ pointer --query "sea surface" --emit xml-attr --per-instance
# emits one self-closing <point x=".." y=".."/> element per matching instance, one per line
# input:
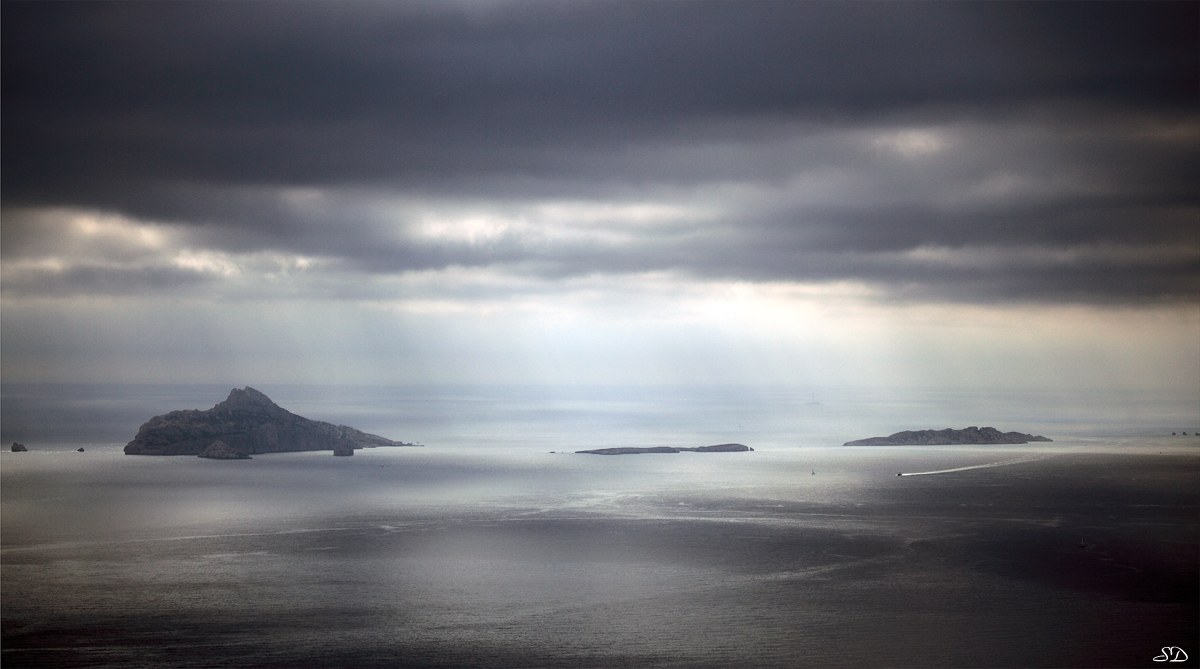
<point x="494" y="544"/>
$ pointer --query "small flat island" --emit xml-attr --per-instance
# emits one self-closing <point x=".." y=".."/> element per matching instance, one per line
<point x="949" y="437"/>
<point x="719" y="448"/>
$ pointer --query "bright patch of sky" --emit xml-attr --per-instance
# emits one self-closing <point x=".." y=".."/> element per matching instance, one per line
<point x="613" y="193"/>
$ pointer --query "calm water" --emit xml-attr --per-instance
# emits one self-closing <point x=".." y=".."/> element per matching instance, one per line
<point x="484" y="549"/>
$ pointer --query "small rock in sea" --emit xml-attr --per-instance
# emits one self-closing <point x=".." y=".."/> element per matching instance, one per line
<point x="79" y="450"/>
<point x="219" y="450"/>
<point x="17" y="448"/>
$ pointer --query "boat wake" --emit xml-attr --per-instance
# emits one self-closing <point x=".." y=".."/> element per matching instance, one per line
<point x="1003" y="463"/>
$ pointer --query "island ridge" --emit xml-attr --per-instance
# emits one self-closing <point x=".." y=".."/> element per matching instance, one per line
<point x="246" y="422"/>
<point x="948" y="437"/>
<point x="719" y="448"/>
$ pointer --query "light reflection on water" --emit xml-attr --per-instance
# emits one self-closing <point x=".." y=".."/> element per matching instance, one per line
<point x="1078" y="553"/>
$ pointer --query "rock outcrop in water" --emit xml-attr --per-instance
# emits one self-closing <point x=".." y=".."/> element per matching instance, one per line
<point x="949" y="437"/>
<point x="219" y="450"/>
<point x="720" y="448"/>
<point x="18" y="448"/>
<point x="247" y="422"/>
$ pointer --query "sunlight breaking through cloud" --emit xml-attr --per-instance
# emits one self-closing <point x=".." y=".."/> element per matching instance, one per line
<point x="623" y="191"/>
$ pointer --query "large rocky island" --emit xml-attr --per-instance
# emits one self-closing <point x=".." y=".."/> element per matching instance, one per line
<point x="246" y="422"/>
<point x="719" y="448"/>
<point x="949" y="437"/>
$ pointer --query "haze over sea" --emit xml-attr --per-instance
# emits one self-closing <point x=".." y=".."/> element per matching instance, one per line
<point x="787" y="225"/>
<point x="484" y="548"/>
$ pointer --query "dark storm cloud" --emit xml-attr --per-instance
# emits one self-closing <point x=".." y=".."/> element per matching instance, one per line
<point x="258" y="92"/>
<point x="91" y="280"/>
<point x="195" y="114"/>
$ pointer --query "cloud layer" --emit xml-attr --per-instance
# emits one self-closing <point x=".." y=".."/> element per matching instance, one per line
<point x="501" y="157"/>
<point x="979" y="152"/>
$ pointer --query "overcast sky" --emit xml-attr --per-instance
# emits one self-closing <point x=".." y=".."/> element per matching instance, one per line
<point x="804" y="193"/>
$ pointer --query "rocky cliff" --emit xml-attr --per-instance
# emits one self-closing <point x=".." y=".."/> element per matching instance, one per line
<point x="949" y="437"/>
<point x="247" y="422"/>
<point x="219" y="450"/>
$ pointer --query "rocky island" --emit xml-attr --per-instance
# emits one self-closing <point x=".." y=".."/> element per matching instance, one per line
<point x="719" y="448"/>
<point x="246" y="422"/>
<point x="949" y="437"/>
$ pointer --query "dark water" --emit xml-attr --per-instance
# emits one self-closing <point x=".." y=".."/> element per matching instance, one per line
<point x="498" y="553"/>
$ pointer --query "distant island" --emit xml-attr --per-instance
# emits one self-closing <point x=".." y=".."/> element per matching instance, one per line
<point x="949" y="437"/>
<point x="246" y="422"/>
<point x="719" y="448"/>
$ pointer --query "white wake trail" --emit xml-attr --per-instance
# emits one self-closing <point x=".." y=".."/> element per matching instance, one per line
<point x="1003" y="463"/>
